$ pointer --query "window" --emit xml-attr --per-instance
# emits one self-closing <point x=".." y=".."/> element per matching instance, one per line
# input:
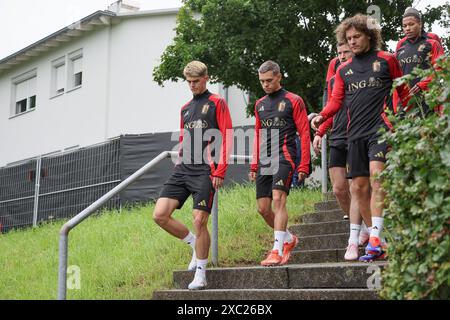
<point x="75" y="71"/>
<point x="24" y="93"/>
<point x="58" y="76"/>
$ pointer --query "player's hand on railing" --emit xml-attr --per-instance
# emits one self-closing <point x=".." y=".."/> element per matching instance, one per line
<point x="252" y="176"/>
<point x="217" y="182"/>
<point x="317" y="144"/>
<point x="316" y="122"/>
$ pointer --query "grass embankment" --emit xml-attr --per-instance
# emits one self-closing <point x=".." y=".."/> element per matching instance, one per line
<point x="126" y="255"/>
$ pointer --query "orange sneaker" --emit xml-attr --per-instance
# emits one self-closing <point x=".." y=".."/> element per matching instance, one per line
<point x="273" y="259"/>
<point x="287" y="248"/>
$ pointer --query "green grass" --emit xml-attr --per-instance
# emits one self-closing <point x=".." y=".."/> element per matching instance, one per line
<point x="126" y="255"/>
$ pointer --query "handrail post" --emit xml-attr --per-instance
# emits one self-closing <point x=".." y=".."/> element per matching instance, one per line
<point x="62" y="271"/>
<point x="36" y="190"/>
<point x="324" y="165"/>
<point x="215" y="231"/>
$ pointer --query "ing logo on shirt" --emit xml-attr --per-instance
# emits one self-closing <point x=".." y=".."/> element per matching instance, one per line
<point x="370" y="83"/>
<point x="273" y="123"/>
<point x="414" y="59"/>
<point x="198" y="124"/>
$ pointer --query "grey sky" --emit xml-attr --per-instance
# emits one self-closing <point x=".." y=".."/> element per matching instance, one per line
<point x="23" y="22"/>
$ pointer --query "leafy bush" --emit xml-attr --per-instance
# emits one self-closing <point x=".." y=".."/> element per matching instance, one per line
<point x="417" y="205"/>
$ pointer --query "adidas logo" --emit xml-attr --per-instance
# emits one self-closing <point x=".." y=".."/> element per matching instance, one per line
<point x="380" y="155"/>
<point x="202" y="203"/>
<point x="280" y="183"/>
<point x="349" y="72"/>
<point x="261" y="109"/>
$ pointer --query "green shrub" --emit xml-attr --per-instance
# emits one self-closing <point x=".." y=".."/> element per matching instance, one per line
<point x="417" y="205"/>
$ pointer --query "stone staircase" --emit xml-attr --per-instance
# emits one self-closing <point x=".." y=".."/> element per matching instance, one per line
<point x="316" y="270"/>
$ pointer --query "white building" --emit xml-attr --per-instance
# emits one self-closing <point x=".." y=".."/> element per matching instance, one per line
<point x="92" y="81"/>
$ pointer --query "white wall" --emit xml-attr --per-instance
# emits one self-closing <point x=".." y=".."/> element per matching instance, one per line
<point x="74" y="118"/>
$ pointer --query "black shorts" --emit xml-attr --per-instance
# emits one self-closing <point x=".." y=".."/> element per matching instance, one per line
<point x="281" y="180"/>
<point x="361" y="152"/>
<point x="181" y="186"/>
<point x="338" y="155"/>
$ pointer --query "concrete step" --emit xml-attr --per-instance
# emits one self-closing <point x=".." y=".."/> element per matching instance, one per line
<point x="322" y="216"/>
<point x="326" y="205"/>
<point x="329" y="196"/>
<point x="314" y="276"/>
<point x="268" y="294"/>
<point x="320" y="228"/>
<point x="328" y="241"/>
<point x="319" y="256"/>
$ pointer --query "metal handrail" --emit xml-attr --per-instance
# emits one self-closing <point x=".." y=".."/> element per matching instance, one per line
<point x="72" y="223"/>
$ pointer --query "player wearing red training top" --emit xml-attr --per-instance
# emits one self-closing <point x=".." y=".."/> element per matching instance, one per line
<point x="205" y="115"/>
<point x="417" y="49"/>
<point x="279" y="116"/>
<point x="363" y="84"/>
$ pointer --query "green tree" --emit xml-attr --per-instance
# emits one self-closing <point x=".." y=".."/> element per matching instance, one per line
<point x="233" y="37"/>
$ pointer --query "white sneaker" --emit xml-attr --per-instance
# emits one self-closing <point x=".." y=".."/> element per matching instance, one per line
<point x="363" y="238"/>
<point x="352" y="252"/>
<point x="199" y="283"/>
<point x="193" y="264"/>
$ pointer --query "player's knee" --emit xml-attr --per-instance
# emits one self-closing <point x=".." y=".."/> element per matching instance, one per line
<point x="340" y="190"/>
<point x="359" y="189"/>
<point x="160" y="217"/>
<point x="264" y="211"/>
<point x="200" y="222"/>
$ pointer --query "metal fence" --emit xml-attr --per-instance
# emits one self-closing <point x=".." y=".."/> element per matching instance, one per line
<point x="58" y="186"/>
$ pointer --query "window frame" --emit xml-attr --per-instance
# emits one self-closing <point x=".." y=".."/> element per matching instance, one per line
<point x="15" y="81"/>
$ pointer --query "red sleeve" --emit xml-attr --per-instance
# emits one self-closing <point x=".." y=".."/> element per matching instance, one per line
<point x="396" y="72"/>
<point x="255" y="157"/>
<point x="436" y="52"/>
<point x="434" y="36"/>
<point x="225" y="125"/>
<point x="324" y="127"/>
<point x="329" y="122"/>
<point x="331" y="69"/>
<point x="302" y="124"/>
<point x="337" y="97"/>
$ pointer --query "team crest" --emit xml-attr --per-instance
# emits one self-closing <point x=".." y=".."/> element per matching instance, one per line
<point x="282" y="106"/>
<point x="205" y="109"/>
<point x="376" y="66"/>
<point x="421" y="47"/>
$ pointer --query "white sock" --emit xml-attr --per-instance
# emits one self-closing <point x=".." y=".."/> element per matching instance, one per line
<point x="288" y="237"/>
<point x="279" y="241"/>
<point x="377" y="226"/>
<point x="354" y="233"/>
<point x="369" y="229"/>
<point x="201" y="268"/>
<point x="190" y="240"/>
